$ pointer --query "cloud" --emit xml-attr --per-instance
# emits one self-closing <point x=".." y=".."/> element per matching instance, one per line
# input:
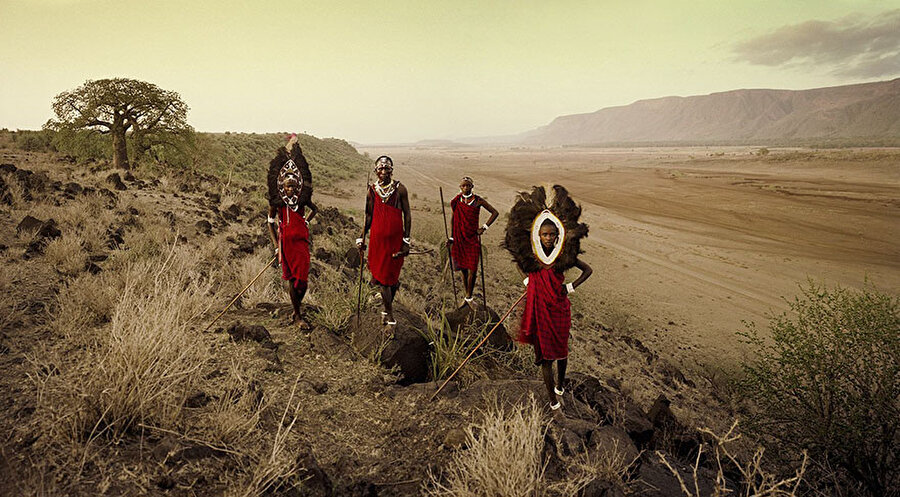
<point x="852" y="46"/>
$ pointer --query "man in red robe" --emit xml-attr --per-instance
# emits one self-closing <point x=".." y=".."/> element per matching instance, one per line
<point x="465" y="242"/>
<point x="547" y="318"/>
<point x="288" y="227"/>
<point x="388" y="217"/>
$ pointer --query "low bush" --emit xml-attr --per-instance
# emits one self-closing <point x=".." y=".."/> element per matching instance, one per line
<point x="828" y="382"/>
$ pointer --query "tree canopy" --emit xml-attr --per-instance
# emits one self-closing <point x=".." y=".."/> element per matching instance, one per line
<point x="137" y="115"/>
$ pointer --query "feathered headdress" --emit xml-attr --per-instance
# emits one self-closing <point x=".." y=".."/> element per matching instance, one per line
<point x="530" y="211"/>
<point x="287" y="168"/>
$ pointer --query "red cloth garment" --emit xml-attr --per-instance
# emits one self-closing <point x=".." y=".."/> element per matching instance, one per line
<point x="466" y="247"/>
<point x="385" y="240"/>
<point x="547" y="318"/>
<point x="293" y="235"/>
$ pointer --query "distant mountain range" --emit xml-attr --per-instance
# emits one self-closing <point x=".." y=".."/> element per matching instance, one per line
<point x="859" y="111"/>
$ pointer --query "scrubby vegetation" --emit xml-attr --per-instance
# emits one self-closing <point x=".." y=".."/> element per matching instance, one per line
<point x="829" y="383"/>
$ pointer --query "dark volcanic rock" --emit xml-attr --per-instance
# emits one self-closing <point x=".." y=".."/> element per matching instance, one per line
<point x="232" y="212"/>
<point x="351" y="258"/>
<point x="469" y="320"/>
<point x="315" y="482"/>
<point x="241" y="332"/>
<point x="29" y="223"/>
<point x="401" y="345"/>
<point x="72" y="188"/>
<point x="115" y="181"/>
<point x="204" y="227"/>
<point x="8" y="168"/>
<point x="115" y="237"/>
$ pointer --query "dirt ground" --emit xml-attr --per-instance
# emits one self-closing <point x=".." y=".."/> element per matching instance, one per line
<point x="688" y="243"/>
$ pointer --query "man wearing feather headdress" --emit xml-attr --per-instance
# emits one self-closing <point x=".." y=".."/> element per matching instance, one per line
<point x="544" y="238"/>
<point x="290" y="194"/>
<point x="465" y="241"/>
<point x="388" y="217"/>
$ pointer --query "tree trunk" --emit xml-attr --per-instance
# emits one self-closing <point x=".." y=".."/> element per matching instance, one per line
<point x="120" y="150"/>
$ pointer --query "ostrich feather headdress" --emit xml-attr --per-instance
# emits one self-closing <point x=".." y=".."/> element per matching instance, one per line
<point x="530" y="211"/>
<point x="286" y="168"/>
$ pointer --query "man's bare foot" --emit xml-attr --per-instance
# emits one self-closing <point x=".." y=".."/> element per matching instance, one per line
<point x="384" y="317"/>
<point x="303" y="324"/>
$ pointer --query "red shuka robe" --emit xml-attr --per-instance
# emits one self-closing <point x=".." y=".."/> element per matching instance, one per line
<point x="466" y="246"/>
<point x="547" y="318"/>
<point x="385" y="239"/>
<point x="293" y="235"/>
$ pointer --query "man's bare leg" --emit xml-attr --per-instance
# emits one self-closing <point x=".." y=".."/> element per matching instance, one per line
<point x="547" y="373"/>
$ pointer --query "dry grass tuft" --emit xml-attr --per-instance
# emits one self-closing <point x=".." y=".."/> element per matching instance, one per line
<point x="267" y="288"/>
<point x="335" y="298"/>
<point x="148" y="363"/>
<point x="609" y="466"/>
<point x="503" y="459"/>
<point x="66" y="254"/>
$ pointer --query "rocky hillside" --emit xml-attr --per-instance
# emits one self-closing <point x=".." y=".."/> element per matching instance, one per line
<point x="114" y="382"/>
<point x="862" y="111"/>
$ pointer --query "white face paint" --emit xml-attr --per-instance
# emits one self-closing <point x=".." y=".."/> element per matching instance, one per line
<point x="288" y="172"/>
<point x="536" y="247"/>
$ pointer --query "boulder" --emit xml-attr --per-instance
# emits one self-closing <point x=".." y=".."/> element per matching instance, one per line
<point x="610" y="440"/>
<point x="401" y="345"/>
<point x="613" y="407"/>
<point x="469" y="320"/>
<point x="351" y="258"/>
<point x="72" y="189"/>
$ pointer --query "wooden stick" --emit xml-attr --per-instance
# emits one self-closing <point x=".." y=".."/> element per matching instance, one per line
<point x="447" y="233"/>
<point x="478" y="346"/>
<point x="362" y="258"/>
<point x="483" y="287"/>
<point x="242" y="292"/>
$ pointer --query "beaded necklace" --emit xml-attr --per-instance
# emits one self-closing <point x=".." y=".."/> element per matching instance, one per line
<point x="465" y="198"/>
<point x="385" y="192"/>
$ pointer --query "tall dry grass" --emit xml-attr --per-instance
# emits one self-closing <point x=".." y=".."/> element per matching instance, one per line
<point x="503" y="458"/>
<point x="147" y="360"/>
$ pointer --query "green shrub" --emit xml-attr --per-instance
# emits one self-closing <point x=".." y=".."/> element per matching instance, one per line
<point x="829" y="382"/>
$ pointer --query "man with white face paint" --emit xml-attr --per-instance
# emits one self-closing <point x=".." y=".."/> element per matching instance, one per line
<point x="388" y="216"/>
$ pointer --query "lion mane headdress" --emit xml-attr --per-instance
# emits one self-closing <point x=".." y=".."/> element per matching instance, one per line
<point x="530" y="211"/>
<point x="289" y="167"/>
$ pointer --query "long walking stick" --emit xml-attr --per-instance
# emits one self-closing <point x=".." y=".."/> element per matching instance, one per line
<point x="449" y="256"/>
<point x="362" y="258"/>
<point x="478" y="346"/>
<point x="242" y="292"/>
<point x="481" y="258"/>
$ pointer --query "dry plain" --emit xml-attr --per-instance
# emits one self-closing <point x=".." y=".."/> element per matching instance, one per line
<point x="689" y="243"/>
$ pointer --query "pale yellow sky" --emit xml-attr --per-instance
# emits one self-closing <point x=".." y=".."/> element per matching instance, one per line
<point x="400" y="71"/>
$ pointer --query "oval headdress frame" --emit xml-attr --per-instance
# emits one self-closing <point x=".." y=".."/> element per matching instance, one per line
<point x="529" y="212"/>
<point x="537" y="247"/>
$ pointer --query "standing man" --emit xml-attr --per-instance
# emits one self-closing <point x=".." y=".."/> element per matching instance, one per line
<point x="388" y="217"/>
<point x="465" y="241"/>
<point x="290" y="194"/>
<point x="544" y="237"/>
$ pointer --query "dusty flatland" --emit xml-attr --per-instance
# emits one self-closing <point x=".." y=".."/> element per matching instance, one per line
<point x="687" y="243"/>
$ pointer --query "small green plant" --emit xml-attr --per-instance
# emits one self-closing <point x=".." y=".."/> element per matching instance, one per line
<point x="829" y="382"/>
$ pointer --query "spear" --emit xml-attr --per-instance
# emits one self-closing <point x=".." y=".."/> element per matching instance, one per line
<point x="481" y="258"/>
<point x="362" y="259"/>
<point x="447" y="232"/>
<point x="478" y="346"/>
<point x="241" y="293"/>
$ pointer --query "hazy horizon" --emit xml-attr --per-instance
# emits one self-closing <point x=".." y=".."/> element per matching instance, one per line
<point x="399" y="72"/>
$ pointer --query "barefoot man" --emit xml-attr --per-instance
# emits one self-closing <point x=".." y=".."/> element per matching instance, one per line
<point x="544" y="237"/>
<point x="290" y="193"/>
<point x="465" y="241"/>
<point x="388" y="222"/>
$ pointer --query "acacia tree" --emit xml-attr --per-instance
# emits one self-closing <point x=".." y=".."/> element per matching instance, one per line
<point x="126" y="109"/>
